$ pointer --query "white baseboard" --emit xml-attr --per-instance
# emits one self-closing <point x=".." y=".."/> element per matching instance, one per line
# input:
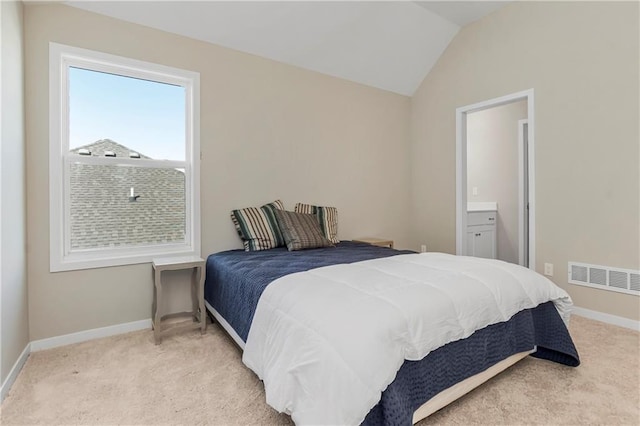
<point x="67" y="339"/>
<point x="15" y="370"/>
<point x="83" y="336"/>
<point x="607" y="318"/>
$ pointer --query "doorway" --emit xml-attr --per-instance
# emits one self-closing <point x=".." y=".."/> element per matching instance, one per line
<point x="513" y="207"/>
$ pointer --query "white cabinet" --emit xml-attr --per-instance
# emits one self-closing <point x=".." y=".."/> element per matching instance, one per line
<point x="481" y="234"/>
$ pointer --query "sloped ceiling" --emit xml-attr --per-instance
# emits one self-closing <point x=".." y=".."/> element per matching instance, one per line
<point x="462" y="13"/>
<point x="388" y="45"/>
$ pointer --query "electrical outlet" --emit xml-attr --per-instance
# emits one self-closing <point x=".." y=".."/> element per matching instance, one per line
<point x="548" y="269"/>
<point x="475" y="190"/>
<point x="423" y="248"/>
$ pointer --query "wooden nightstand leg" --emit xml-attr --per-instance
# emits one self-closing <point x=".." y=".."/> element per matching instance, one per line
<point x="194" y="293"/>
<point x="203" y="313"/>
<point x="154" y="304"/>
<point x="157" y="332"/>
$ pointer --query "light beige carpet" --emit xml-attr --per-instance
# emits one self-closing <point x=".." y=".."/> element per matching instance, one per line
<point x="193" y="379"/>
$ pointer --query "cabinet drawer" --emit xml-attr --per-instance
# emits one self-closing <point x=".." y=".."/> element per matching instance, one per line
<point x="481" y="218"/>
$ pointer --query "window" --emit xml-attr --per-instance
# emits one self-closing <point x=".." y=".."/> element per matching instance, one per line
<point x="123" y="161"/>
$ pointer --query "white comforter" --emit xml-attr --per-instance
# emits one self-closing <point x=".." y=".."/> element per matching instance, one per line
<point x="328" y="341"/>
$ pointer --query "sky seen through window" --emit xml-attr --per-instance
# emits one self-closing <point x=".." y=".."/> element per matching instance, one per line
<point x="146" y="116"/>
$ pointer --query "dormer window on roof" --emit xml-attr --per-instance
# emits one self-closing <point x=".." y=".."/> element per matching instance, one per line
<point x="109" y="154"/>
<point x="84" y="151"/>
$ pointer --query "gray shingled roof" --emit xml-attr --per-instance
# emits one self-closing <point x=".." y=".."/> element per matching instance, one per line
<point x="102" y="215"/>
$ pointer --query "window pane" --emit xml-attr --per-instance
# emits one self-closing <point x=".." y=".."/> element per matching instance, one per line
<point x="120" y="114"/>
<point x="104" y="215"/>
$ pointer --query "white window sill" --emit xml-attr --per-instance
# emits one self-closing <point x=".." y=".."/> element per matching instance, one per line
<point x="99" y="259"/>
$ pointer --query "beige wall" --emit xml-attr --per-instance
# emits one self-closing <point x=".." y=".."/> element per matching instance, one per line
<point x="492" y="167"/>
<point x="582" y="61"/>
<point x="14" y="332"/>
<point x="268" y="131"/>
<point x="261" y="119"/>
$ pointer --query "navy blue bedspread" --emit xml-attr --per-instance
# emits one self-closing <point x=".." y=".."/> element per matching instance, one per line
<point x="236" y="279"/>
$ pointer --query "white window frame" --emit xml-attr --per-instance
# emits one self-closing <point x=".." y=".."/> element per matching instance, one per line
<point x="62" y="258"/>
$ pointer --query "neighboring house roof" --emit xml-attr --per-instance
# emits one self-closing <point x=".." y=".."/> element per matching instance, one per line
<point x="102" y="215"/>
<point x="98" y="148"/>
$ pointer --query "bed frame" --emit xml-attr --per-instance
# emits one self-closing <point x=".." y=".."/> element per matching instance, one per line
<point x="439" y="401"/>
<point x="460" y="389"/>
<point x="227" y="327"/>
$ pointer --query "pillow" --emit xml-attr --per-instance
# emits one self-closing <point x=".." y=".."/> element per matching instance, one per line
<point x="327" y="216"/>
<point x="257" y="227"/>
<point x="301" y="231"/>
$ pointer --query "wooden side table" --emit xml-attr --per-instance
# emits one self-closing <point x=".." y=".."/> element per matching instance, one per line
<point x="197" y="295"/>
<point x="375" y="241"/>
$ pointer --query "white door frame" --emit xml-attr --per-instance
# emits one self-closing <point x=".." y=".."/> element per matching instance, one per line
<point x="461" y="167"/>
<point x="521" y="204"/>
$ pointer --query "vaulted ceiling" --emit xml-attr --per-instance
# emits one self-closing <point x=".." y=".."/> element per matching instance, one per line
<point x="391" y="45"/>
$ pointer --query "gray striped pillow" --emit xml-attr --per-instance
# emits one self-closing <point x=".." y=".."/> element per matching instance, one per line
<point x="327" y="217"/>
<point x="258" y="227"/>
<point x="301" y="231"/>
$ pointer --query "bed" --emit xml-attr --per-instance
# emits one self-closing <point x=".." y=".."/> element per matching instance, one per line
<point x="236" y="280"/>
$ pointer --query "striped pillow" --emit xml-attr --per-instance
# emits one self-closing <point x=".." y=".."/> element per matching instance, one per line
<point x="301" y="231"/>
<point x="258" y="227"/>
<point x="327" y="217"/>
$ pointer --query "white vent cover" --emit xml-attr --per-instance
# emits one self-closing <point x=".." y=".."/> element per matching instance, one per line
<point x="605" y="277"/>
<point x="634" y="282"/>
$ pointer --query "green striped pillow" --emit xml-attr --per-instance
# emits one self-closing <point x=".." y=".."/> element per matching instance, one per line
<point x="257" y="227"/>
<point x="327" y="217"/>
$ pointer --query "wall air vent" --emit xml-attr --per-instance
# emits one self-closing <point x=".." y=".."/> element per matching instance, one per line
<point x="634" y="282"/>
<point x="605" y="277"/>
